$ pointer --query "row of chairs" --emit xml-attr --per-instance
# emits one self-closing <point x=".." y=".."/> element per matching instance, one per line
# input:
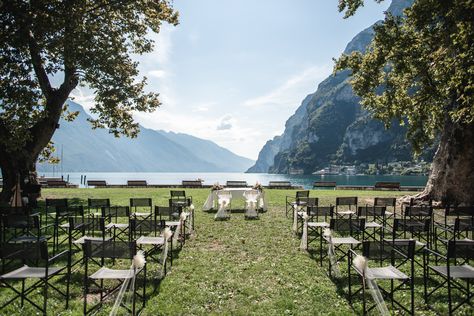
<point x="410" y="239"/>
<point x="87" y="235"/>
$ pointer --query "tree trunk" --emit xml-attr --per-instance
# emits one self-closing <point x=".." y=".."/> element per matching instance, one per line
<point x="15" y="166"/>
<point x="451" y="180"/>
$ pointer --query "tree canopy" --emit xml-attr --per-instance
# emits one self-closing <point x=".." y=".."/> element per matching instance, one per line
<point x="419" y="67"/>
<point x="80" y="42"/>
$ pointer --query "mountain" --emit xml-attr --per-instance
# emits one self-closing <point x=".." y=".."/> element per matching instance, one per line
<point x="330" y="126"/>
<point x="90" y="150"/>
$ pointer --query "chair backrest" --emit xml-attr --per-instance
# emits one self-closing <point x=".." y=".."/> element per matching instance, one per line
<point x="56" y="202"/>
<point x="177" y="194"/>
<point x="461" y="249"/>
<point x="146" y="226"/>
<point x="387" y="185"/>
<point x="385" y="201"/>
<point x="140" y="202"/>
<point x="115" y="212"/>
<point x="163" y="211"/>
<point x="137" y="183"/>
<point x="20" y="221"/>
<point x="374" y="211"/>
<point x="87" y="224"/>
<point x="109" y="249"/>
<point x="320" y="211"/>
<point x="351" y="225"/>
<point x="11" y="210"/>
<point x="383" y="250"/>
<point x="464" y="224"/>
<point x="24" y="251"/>
<point x="324" y="184"/>
<point x="97" y="183"/>
<point x="346" y="201"/>
<point x="224" y="195"/>
<point x="302" y="194"/>
<point x="98" y="203"/>
<point x="251" y="195"/>
<point x="418" y="211"/>
<point x="459" y="211"/>
<point x="411" y="225"/>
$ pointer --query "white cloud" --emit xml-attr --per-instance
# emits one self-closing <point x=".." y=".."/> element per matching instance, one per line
<point x="158" y="73"/>
<point x="225" y="123"/>
<point x="294" y="89"/>
<point x="84" y="97"/>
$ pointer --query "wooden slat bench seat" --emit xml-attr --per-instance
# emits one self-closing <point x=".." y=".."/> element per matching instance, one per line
<point x="280" y="185"/>
<point x="236" y="184"/>
<point x="137" y="183"/>
<point x="387" y="186"/>
<point x="97" y="183"/>
<point x="191" y="183"/>
<point x="324" y="184"/>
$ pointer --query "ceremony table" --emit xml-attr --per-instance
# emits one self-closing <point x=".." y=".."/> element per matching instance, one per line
<point x="237" y="193"/>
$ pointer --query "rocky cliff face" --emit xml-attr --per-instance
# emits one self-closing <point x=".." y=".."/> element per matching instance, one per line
<point x="330" y="126"/>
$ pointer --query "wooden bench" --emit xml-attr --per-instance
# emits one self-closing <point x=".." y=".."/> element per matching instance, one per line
<point x="324" y="184"/>
<point x="387" y="186"/>
<point x="97" y="183"/>
<point x="236" y="184"/>
<point x="191" y="184"/>
<point x="137" y="183"/>
<point x="56" y="184"/>
<point x="280" y="185"/>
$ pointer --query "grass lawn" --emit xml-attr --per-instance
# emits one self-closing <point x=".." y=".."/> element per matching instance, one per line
<point x="233" y="267"/>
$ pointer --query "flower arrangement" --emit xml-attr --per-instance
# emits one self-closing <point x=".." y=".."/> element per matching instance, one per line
<point x="258" y="186"/>
<point x="216" y="186"/>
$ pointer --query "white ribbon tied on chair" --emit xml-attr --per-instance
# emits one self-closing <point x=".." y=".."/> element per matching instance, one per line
<point x="223" y="201"/>
<point x="138" y="263"/>
<point x="360" y="263"/>
<point x="191" y="215"/>
<point x="331" y="254"/>
<point x="179" y="228"/>
<point x="167" y="234"/>
<point x="304" y="237"/>
<point x="295" y="218"/>
<point x="251" y="198"/>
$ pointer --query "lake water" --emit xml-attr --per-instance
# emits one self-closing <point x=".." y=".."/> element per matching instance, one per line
<point x="211" y="178"/>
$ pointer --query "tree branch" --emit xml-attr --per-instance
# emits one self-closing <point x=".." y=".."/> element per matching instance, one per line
<point x="37" y="62"/>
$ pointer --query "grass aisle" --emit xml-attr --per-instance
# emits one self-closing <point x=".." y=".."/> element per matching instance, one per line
<point x="243" y="267"/>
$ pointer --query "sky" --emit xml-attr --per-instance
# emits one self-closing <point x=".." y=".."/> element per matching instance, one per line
<point x="233" y="71"/>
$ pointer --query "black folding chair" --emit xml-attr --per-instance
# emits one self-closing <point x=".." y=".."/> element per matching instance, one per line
<point x="118" y="221"/>
<point x="351" y="231"/>
<point x="18" y="228"/>
<point x="50" y="210"/>
<point x="95" y="206"/>
<point x="457" y="274"/>
<point x="149" y="233"/>
<point x="96" y="252"/>
<point x="141" y="207"/>
<point x="304" y="203"/>
<point x="447" y="229"/>
<point x="346" y="206"/>
<point x="405" y="230"/>
<point x="42" y="274"/>
<point x="391" y="208"/>
<point x="374" y="220"/>
<point x="383" y="251"/>
<point x="61" y="224"/>
<point x="82" y="228"/>
<point x="293" y="201"/>
<point x="318" y="220"/>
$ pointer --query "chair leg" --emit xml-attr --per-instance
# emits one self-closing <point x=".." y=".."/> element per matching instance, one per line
<point x="450" y="303"/>
<point x="45" y="296"/>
